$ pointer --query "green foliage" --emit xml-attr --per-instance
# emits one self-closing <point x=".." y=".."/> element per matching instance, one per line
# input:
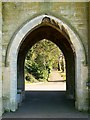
<point x="41" y="59"/>
<point x="30" y="78"/>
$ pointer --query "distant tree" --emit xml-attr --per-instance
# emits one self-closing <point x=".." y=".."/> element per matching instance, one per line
<point x="41" y="59"/>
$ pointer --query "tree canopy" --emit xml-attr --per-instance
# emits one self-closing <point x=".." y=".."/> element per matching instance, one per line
<point x="41" y="59"/>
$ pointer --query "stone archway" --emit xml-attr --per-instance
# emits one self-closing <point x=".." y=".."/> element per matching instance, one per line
<point x="71" y="40"/>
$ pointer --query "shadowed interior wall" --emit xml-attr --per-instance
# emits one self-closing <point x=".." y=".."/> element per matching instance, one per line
<point x="89" y="55"/>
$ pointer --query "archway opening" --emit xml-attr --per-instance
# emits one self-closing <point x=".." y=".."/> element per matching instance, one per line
<point x="45" y="67"/>
<point x="60" y="33"/>
<point x="51" y="32"/>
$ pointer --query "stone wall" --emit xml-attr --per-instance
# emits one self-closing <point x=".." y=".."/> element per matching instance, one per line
<point x="0" y="59"/>
<point x="16" y="14"/>
<point x="89" y="43"/>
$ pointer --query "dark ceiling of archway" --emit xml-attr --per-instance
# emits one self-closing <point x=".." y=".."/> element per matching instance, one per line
<point x="48" y="32"/>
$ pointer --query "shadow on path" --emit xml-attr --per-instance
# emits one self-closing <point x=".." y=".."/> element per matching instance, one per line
<point x="46" y="104"/>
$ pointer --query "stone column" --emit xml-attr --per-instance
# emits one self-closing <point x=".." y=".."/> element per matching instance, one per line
<point x="13" y="82"/>
<point x="6" y="91"/>
<point x="81" y="89"/>
<point x="0" y="59"/>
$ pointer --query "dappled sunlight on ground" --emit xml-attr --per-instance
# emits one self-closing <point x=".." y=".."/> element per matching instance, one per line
<point x="55" y="83"/>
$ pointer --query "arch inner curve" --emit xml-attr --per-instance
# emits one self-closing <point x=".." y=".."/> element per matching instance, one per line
<point x="49" y="31"/>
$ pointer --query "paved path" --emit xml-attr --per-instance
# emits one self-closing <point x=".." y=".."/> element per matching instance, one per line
<point x="46" y="104"/>
<point x="55" y="76"/>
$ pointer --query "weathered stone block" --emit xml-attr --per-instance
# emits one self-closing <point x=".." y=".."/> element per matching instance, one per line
<point x="0" y="59"/>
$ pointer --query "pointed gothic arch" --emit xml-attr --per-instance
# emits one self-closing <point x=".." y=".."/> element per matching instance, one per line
<point x="38" y="27"/>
